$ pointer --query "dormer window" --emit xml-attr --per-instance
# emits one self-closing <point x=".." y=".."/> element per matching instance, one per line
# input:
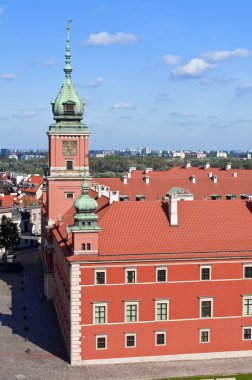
<point x="69" y="107"/>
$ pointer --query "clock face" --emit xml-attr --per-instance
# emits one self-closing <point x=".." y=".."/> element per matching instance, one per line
<point x="69" y="148"/>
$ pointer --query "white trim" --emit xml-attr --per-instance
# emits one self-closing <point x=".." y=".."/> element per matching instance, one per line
<point x="165" y="301"/>
<point x="130" y="334"/>
<point x="126" y="276"/>
<point x="99" y="304"/>
<point x="160" y="332"/>
<point x="96" y="342"/>
<point x="201" y="331"/>
<point x="98" y="271"/>
<point x="128" y="303"/>
<point x="246" y="266"/>
<point x="178" y="357"/>
<point x="161" y="268"/>
<point x="246" y="327"/>
<point x="203" y="299"/>
<point x="210" y="272"/>
<point x="168" y="282"/>
<point x="69" y="192"/>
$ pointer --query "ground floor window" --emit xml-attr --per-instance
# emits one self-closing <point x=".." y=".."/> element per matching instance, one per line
<point x="160" y="337"/>
<point x="130" y="340"/>
<point x="101" y="342"/>
<point x="247" y="333"/>
<point x="204" y="336"/>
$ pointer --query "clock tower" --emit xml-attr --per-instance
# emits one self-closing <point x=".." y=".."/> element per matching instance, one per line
<point x="68" y="146"/>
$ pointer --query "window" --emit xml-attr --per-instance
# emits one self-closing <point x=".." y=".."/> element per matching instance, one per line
<point x="100" y="313"/>
<point x="83" y="247"/>
<point x="130" y="340"/>
<point x="247" y="333"/>
<point x="205" y="273"/>
<point x="101" y="342"/>
<point x="88" y="246"/>
<point x="247" y="305"/>
<point x="131" y="312"/>
<point x="69" y="107"/>
<point x="160" y="337"/>
<point x="69" y="165"/>
<point x="161" y="311"/>
<point x="206" y="308"/>
<point x="247" y="271"/>
<point x="130" y="276"/>
<point x="161" y="274"/>
<point x="69" y="195"/>
<point x="100" y="277"/>
<point x="204" y="335"/>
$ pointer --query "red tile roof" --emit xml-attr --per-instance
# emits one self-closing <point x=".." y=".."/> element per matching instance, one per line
<point x="35" y="180"/>
<point x="7" y="201"/>
<point x="162" y="182"/>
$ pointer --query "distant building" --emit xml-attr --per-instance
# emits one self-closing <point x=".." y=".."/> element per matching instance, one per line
<point x="5" y="153"/>
<point x="221" y="154"/>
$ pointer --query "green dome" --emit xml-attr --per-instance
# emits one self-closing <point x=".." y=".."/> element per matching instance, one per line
<point x="68" y="105"/>
<point x="85" y="204"/>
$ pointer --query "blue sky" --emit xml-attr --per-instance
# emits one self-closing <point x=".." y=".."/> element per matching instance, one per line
<point x="159" y="73"/>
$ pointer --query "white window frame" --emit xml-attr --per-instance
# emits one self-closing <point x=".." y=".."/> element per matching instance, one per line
<point x="210" y="272"/>
<point x="249" y="297"/>
<point x="156" y="334"/>
<point x="96" y="340"/>
<point x="126" y="277"/>
<point x="201" y="331"/>
<point x="246" y="266"/>
<point x="130" y="334"/>
<point x="243" y="329"/>
<point x="137" y="311"/>
<point x="166" y="274"/>
<point x="105" y="276"/>
<point x="99" y="304"/>
<point x="167" y="308"/>
<point x="201" y="301"/>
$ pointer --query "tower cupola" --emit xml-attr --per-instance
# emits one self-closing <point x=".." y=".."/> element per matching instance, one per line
<point x="68" y="106"/>
<point x="85" y="217"/>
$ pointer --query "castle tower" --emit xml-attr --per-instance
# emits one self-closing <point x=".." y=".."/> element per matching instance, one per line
<point x="68" y="146"/>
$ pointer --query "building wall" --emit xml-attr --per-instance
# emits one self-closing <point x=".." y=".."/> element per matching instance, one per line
<point x="183" y="292"/>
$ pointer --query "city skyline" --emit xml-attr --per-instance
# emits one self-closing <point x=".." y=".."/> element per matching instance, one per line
<point x="152" y="73"/>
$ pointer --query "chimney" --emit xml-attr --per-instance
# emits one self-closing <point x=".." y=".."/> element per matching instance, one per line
<point x="207" y="165"/>
<point x="187" y="164"/>
<point x="147" y="170"/>
<point x="113" y="196"/>
<point x="131" y="169"/>
<point x="234" y="174"/>
<point x="129" y="174"/>
<point x="173" y="210"/>
<point x="228" y="166"/>
<point x="214" y="179"/>
<point x="193" y="178"/>
<point x="210" y="174"/>
<point x="124" y="179"/>
<point x="146" y="179"/>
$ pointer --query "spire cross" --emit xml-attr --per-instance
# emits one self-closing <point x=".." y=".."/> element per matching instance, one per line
<point x="68" y="68"/>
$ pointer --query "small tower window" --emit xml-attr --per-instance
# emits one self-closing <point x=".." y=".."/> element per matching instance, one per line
<point x="69" y="165"/>
<point x="83" y="247"/>
<point x="69" y="107"/>
<point x="88" y="246"/>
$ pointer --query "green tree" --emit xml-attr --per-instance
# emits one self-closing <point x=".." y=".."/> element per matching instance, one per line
<point x="9" y="236"/>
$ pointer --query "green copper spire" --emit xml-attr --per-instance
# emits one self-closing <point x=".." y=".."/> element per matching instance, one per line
<point x="85" y="206"/>
<point x="68" y="107"/>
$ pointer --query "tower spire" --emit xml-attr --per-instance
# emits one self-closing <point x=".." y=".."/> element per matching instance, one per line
<point x="68" y="69"/>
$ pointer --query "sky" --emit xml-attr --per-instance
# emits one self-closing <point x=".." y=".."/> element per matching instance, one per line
<point x="164" y="74"/>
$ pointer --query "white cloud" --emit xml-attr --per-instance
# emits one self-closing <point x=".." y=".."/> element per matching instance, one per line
<point x="183" y="114"/>
<point x="193" y="69"/>
<point x="96" y="83"/>
<point x="46" y="62"/>
<point x="223" y="55"/>
<point x="124" y="106"/>
<point x="170" y="59"/>
<point x="8" y="76"/>
<point x="105" y="38"/>
<point x="24" y="115"/>
<point x="244" y="89"/>
<point x="3" y="8"/>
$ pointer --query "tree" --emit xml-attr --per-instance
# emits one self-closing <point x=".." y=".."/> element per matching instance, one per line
<point x="9" y="236"/>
